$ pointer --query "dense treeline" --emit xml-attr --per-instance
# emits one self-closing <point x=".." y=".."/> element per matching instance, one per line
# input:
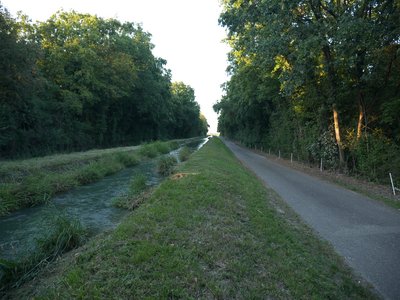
<point x="78" y="81"/>
<point x="318" y="78"/>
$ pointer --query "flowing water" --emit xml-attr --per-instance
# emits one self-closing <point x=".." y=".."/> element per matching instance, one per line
<point x="90" y="204"/>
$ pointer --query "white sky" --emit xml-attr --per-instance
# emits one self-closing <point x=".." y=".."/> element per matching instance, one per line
<point x="185" y="33"/>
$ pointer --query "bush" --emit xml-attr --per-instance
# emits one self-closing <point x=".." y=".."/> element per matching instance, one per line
<point x="148" y="150"/>
<point x="376" y="156"/>
<point x="165" y="165"/>
<point x="66" y="234"/>
<point x="127" y="159"/>
<point x="173" y="145"/>
<point x="162" y="147"/>
<point x="138" y="184"/>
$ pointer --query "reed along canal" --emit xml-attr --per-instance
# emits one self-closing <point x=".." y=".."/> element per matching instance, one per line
<point x="91" y="204"/>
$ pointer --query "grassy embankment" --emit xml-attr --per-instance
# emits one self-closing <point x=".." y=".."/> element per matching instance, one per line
<point x="30" y="182"/>
<point x="210" y="231"/>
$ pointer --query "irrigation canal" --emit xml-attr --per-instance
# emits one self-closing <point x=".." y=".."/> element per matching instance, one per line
<point x="91" y="204"/>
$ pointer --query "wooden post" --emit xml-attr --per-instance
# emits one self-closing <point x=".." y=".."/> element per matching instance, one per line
<point x="279" y="154"/>
<point x="320" y="167"/>
<point x="291" y="157"/>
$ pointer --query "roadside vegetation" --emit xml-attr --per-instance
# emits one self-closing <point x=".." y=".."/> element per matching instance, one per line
<point x="211" y="230"/>
<point x="306" y="80"/>
<point x="31" y="182"/>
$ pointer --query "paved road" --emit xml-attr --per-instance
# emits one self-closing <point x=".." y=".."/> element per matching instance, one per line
<point x="366" y="233"/>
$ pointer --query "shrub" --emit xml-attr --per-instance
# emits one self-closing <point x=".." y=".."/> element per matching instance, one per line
<point x="148" y="150"/>
<point x="376" y="156"/>
<point x="162" y="147"/>
<point x="166" y="165"/>
<point x="138" y="184"/>
<point x="127" y="159"/>
<point x="173" y="145"/>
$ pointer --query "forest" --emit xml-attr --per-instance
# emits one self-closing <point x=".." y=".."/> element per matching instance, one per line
<point x="78" y="81"/>
<point x="317" y="79"/>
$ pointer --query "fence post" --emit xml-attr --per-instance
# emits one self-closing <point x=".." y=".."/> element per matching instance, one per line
<point x="391" y="181"/>
<point x="269" y="151"/>
<point x="291" y="157"/>
<point x="279" y="154"/>
<point x="320" y="167"/>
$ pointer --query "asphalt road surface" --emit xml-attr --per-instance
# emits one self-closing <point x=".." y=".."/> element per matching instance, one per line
<point x="365" y="232"/>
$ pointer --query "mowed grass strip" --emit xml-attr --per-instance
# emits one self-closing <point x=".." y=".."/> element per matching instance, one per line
<point x="210" y="231"/>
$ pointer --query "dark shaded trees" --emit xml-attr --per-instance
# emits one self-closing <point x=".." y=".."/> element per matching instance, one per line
<point x="333" y="79"/>
<point x="77" y="81"/>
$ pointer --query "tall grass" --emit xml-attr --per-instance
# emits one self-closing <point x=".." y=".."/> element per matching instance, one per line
<point x="63" y="235"/>
<point x="132" y="199"/>
<point x="166" y="164"/>
<point x="184" y="153"/>
<point x="21" y="187"/>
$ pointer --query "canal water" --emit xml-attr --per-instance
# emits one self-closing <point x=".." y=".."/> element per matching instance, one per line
<point x="91" y="204"/>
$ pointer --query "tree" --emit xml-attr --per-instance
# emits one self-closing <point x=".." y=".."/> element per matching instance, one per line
<point x="335" y="63"/>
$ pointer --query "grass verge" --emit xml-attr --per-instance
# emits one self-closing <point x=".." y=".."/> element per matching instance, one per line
<point x="212" y="230"/>
<point x="64" y="234"/>
<point x="31" y="182"/>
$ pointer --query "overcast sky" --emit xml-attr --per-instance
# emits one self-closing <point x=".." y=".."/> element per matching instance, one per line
<point x="185" y="33"/>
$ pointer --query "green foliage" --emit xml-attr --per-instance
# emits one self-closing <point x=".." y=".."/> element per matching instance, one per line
<point x="31" y="182"/>
<point x="78" y="81"/>
<point x="138" y="184"/>
<point x="184" y="153"/>
<point x="148" y="150"/>
<point x="162" y="147"/>
<point x="295" y="65"/>
<point x="135" y="195"/>
<point x="216" y="233"/>
<point x="166" y="164"/>
<point x="127" y="159"/>
<point x="64" y="235"/>
<point x="376" y="156"/>
<point x="173" y="145"/>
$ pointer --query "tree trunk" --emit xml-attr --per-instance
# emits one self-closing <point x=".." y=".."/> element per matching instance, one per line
<point x="360" y="116"/>
<point x="337" y="135"/>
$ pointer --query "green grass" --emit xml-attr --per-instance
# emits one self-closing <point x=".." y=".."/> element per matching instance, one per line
<point x="34" y="181"/>
<point x="184" y="153"/>
<point x="63" y="235"/>
<point x="136" y="194"/>
<point x="212" y="230"/>
<point x="166" y="165"/>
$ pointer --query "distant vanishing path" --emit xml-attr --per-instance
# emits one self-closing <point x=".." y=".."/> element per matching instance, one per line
<point x="365" y="232"/>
